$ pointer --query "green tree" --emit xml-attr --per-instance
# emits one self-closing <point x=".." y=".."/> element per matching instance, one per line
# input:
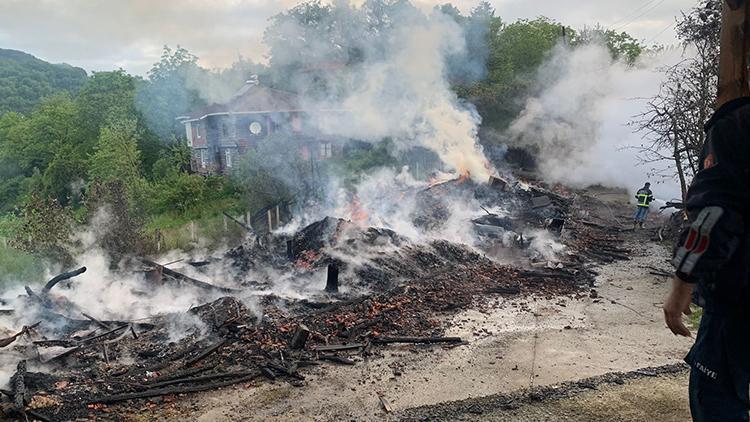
<point x="105" y="95"/>
<point x="45" y="230"/>
<point x="32" y="142"/>
<point x="167" y="94"/>
<point x="621" y="45"/>
<point x="515" y="53"/>
<point x="25" y="80"/>
<point x="116" y="156"/>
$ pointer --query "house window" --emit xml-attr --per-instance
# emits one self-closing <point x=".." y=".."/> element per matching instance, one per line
<point x="255" y="128"/>
<point x="326" y="150"/>
<point x="203" y="158"/>
<point x="189" y="134"/>
<point x="228" y="158"/>
<point x="198" y="130"/>
<point x="296" y="124"/>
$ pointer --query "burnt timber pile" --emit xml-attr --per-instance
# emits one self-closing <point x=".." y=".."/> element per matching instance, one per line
<point x="365" y="288"/>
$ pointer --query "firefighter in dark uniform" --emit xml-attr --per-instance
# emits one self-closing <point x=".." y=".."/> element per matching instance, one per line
<point x="644" y="196"/>
<point x="712" y="261"/>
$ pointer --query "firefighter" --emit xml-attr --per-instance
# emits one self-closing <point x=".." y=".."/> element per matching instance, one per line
<point x="644" y="196"/>
<point x="712" y="261"/>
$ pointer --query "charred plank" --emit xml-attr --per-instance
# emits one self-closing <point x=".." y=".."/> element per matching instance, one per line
<point x="156" y="392"/>
<point x="64" y="276"/>
<point x="420" y="340"/>
<point x="202" y="355"/>
<point x="182" y="277"/>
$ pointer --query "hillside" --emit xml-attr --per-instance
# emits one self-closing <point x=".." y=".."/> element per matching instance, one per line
<point x="25" y="79"/>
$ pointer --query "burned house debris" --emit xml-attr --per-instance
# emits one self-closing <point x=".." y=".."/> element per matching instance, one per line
<point x="328" y="293"/>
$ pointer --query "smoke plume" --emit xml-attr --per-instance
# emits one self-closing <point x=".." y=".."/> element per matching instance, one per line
<point x="578" y="122"/>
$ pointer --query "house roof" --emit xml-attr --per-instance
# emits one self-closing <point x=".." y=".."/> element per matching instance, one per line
<point x="251" y="98"/>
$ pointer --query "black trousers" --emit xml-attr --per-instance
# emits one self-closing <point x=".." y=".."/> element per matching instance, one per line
<point x="712" y="401"/>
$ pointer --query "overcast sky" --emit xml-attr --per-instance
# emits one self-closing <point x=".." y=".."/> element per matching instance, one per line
<point x="106" y="35"/>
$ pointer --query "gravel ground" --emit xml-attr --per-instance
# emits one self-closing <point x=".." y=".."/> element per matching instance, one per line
<point x="653" y="394"/>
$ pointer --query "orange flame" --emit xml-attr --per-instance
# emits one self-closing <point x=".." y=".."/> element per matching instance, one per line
<point x="463" y="175"/>
<point x="357" y="213"/>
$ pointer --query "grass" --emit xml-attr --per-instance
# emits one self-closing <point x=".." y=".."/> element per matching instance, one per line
<point x="19" y="266"/>
<point x="694" y="319"/>
<point x="177" y="232"/>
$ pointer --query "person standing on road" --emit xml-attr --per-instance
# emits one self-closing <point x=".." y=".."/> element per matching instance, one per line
<point x="644" y="196"/>
<point x="712" y="257"/>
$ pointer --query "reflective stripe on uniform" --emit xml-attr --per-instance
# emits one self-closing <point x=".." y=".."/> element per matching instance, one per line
<point x="698" y="240"/>
<point x="642" y="199"/>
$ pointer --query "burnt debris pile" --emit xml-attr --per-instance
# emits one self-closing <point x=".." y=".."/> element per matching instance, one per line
<point x="327" y="294"/>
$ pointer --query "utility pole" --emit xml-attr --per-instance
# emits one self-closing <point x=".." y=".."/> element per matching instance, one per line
<point x="735" y="48"/>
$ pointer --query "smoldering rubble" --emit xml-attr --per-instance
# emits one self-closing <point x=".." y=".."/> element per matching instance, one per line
<point x="332" y="292"/>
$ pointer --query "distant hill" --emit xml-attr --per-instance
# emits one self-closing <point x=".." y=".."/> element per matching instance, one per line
<point x="25" y="79"/>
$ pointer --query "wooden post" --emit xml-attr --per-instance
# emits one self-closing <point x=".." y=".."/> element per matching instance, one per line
<point x="270" y="221"/>
<point x="278" y="217"/>
<point x="226" y="226"/>
<point x="735" y="47"/>
<point x="192" y="230"/>
<point x="332" y="279"/>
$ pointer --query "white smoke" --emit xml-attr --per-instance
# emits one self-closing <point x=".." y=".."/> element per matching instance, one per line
<point x="404" y="95"/>
<point x="579" y="122"/>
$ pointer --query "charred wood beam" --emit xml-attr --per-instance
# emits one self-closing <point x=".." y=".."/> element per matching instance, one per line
<point x="336" y="347"/>
<point x="417" y="340"/>
<point x="64" y="276"/>
<point x="268" y="372"/>
<point x="239" y="223"/>
<point x="182" y="374"/>
<point x="198" y="380"/>
<point x="353" y="331"/>
<point x="202" y="355"/>
<point x="156" y="392"/>
<point x="183" y="277"/>
<point x="97" y="337"/>
<point x="299" y="338"/>
<point x="332" y="278"/>
<point x="21" y="396"/>
<point x="25" y="330"/>
<point x="337" y="359"/>
<point x="289" y="369"/>
<point x="96" y="321"/>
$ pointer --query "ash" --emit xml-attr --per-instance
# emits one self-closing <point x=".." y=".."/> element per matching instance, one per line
<point x="281" y="302"/>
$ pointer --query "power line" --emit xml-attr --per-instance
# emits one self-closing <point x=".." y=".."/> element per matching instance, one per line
<point x="652" y="39"/>
<point x="649" y="10"/>
<point x="630" y="14"/>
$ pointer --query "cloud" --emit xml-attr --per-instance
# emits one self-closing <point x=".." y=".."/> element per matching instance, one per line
<point x="130" y="34"/>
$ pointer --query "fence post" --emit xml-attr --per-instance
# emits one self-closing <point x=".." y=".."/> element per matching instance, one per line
<point x="226" y="227"/>
<point x="192" y="230"/>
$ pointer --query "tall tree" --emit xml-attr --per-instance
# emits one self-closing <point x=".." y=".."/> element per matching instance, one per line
<point x="168" y="93"/>
<point x="116" y="156"/>
<point x="673" y="121"/>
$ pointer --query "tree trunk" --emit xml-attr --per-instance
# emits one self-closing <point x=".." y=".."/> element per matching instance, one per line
<point x="735" y="46"/>
<point x="680" y="170"/>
